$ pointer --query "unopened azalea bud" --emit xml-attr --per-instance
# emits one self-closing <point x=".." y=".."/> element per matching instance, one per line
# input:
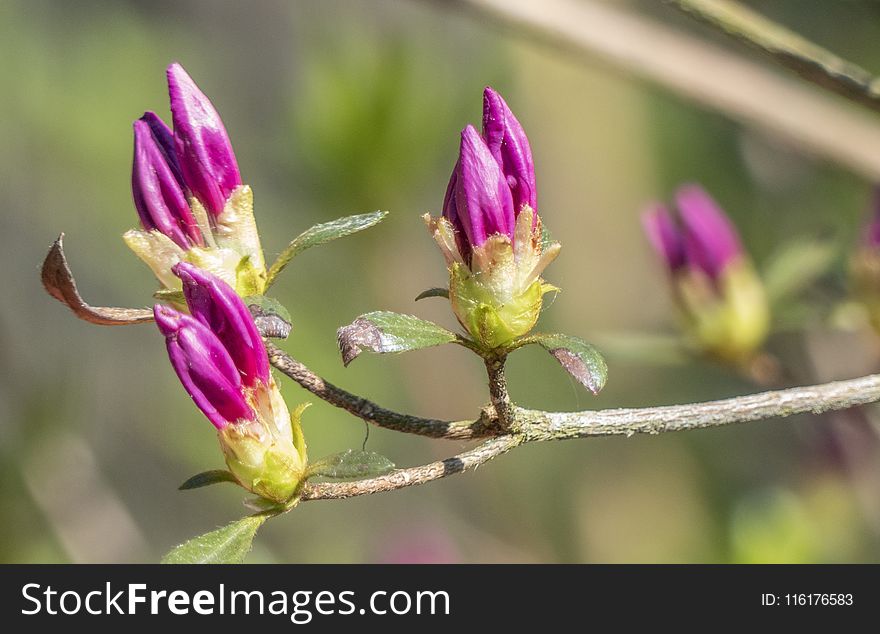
<point x="219" y="357"/>
<point x="204" y="366"/>
<point x="508" y="143"/>
<point x="189" y="195"/>
<point x="206" y="157"/>
<point x="865" y="264"/>
<point x="156" y="185"/>
<point x="719" y="295"/>
<point x="218" y="306"/>
<point x="490" y="233"/>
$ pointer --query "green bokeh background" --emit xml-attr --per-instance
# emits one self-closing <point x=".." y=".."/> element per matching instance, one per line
<point x="344" y="107"/>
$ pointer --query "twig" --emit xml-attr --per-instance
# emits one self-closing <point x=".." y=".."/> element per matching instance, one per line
<point x="698" y="70"/>
<point x="483" y="427"/>
<point x="815" y="399"/>
<point x="498" y="390"/>
<point x="402" y="478"/>
<point x="810" y="61"/>
<point x="535" y="425"/>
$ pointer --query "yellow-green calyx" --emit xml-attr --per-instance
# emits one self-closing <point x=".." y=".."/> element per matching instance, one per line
<point x="727" y="318"/>
<point x="497" y="296"/>
<point x="231" y="248"/>
<point x="267" y="455"/>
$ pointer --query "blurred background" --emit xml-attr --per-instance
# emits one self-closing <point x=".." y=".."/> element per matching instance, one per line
<point x="342" y="107"/>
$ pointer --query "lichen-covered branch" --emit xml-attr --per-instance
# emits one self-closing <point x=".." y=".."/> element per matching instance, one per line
<point x="696" y="69"/>
<point x="402" y="478"/>
<point x="538" y="426"/>
<point x="814" y="399"/>
<point x="535" y="425"/>
<point x="482" y="427"/>
<point x="810" y="61"/>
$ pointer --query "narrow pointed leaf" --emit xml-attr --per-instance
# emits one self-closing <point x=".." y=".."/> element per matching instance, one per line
<point x="351" y="464"/>
<point x="581" y="360"/>
<point x="384" y="332"/>
<point x="226" y="545"/>
<point x="59" y="283"/>
<point x="206" y="478"/>
<point x="321" y="233"/>
<point x="171" y="296"/>
<point x="433" y="292"/>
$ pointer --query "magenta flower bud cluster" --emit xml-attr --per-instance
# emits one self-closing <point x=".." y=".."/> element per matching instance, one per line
<point x="493" y="179"/>
<point x="216" y="351"/>
<point x="196" y="158"/>
<point x="702" y="239"/>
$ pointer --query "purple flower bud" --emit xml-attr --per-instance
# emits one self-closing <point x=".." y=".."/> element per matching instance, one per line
<point x="217" y="306"/>
<point x="509" y="146"/>
<point x="156" y="187"/>
<point x="479" y="201"/>
<point x="704" y="240"/>
<point x="165" y="138"/>
<point x="450" y="212"/>
<point x="711" y="241"/>
<point x="204" y="367"/>
<point x="203" y="148"/>
<point x="664" y="236"/>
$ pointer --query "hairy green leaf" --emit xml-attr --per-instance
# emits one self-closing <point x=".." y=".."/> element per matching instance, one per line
<point x="321" y="233"/>
<point x="227" y="545"/>
<point x="577" y="357"/>
<point x="206" y="478"/>
<point x="351" y="464"/>
<point x="389" y="332"/>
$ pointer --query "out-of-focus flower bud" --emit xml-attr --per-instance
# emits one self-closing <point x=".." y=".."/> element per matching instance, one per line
<point x="720" y="297"/>
<point x="189" y="195"/>
<point x="219" y="357"/>
<point x="490" y="233"/>
<point x="865" y="264"/>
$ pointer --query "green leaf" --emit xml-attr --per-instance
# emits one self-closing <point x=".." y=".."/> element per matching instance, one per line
<point x="270" y="316"/>
<point x="384" y="332"/>
<point x="227" y="545"/>
<point x="321" y="233"/>
<point x="433" y="292"/>
<point x="351" y="464"/>
<point x="206" y="478"/>
<point x="795" y="266"/>
<point x="580" y="359"/>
